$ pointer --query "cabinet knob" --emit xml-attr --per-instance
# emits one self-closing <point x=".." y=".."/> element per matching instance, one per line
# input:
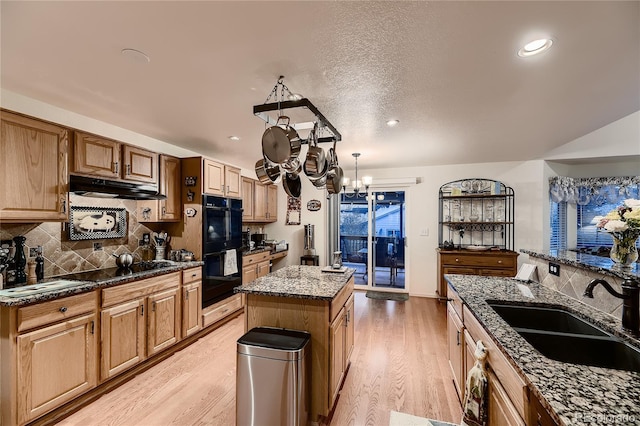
<point x="63" y="309"/>
<point x="499" y="261"/>
<point x="457" y="260"/>
<point x="194" y="275"/>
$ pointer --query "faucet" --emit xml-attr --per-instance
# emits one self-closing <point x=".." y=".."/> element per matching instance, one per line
<point x="630" y="305"/>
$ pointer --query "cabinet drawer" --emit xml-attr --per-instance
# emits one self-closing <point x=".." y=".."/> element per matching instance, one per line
<point x="511" y="272"/>
<point x="138" y="289"/>
<point x="479" y="260"/>
<point x="341" y="298"/>
<point x="221" y="309"/>
<point x="191" y="275"/>
<point x="56" y="310"/>
<point x="455" y="301"/>
<point x="255" y="258"/>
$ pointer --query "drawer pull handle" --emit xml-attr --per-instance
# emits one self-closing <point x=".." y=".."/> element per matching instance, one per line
<point x="224" y="311"/>
<point x="63" y="309"/>
<point x="194" y="275"/>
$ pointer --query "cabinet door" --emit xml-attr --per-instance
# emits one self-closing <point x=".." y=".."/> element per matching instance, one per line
<point x="191" y="308"/>
<point x="140" y="165"/>
<point x="249" y="273"/>
<point x="456" y="348"/>
<point x="33" y="170"/>
<point x="213" y="182"/>
<point x="264" y="268"/>
<point x="232" y="180"/>
<point x="350" y="337"/>
<point x="272" y="203"/>
<point x="170" y="185"/>
<point x="247" y="199"/>
<point x="123" y="337"/>
<point x="96" y="156"/>
<point x="164" y="320"/>
<point x="501" y="409"/>
<point x="260" y="202"/>
<point x="55" y="364"/>
<point x="337" y="339"/>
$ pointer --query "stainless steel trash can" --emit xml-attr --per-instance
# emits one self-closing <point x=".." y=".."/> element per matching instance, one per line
<point x="271" y="377"/>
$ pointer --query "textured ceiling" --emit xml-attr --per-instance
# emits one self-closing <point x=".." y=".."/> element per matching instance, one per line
<point x="447" y="70"/>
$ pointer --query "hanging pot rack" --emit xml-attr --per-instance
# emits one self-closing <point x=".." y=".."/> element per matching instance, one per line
<point x="301" y="107"/>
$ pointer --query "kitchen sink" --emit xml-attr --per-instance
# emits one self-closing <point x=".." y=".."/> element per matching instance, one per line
<point x="562" y="336"/>
<point x="29" y="290"/>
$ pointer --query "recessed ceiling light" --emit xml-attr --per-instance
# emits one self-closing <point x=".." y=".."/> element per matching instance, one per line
<point x="393" y="123"/>
<point x="135" y="55"/>
<point x="234" y="138"/>
<point x="294" y="96"/>
<point x="534" y="47"/>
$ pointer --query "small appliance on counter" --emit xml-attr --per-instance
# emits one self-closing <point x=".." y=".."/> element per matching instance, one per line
<point x="309" y="240"/>
<point x="259" y="240"/>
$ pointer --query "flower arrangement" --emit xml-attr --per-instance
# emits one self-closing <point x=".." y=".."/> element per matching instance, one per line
<point x="623" y="224"/>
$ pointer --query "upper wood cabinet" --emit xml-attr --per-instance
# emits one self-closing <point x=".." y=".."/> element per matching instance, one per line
<point x="97" y="156"/>
<point x="221" y="179"/>
<point x="33" y="170"/>
<point x="259" y="201"/>
<point x="169" y="210"/>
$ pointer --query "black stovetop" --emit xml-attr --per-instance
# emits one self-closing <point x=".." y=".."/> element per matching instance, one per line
<point x="108" y="273"/>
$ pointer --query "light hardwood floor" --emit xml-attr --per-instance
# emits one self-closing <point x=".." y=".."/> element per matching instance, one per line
<point x="399" y="363"/>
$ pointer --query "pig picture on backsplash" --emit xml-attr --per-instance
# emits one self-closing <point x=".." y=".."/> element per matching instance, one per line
<point x="97" y="222"/>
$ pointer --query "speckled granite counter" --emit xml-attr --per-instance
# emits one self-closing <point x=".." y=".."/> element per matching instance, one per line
<point x="576" y="394"/>
<point x="299" y="281"/>
<point x="597" y="264"/>
<point x="90" y="280"/>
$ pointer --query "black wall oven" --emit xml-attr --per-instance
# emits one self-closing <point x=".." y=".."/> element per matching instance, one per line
<point x="222" y="231"/>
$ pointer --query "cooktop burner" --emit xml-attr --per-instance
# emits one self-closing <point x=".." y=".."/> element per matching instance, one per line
<point x="108" y="273"/>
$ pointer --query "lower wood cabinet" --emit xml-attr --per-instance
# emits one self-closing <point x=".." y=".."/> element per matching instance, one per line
<point x="255" y="266"/>
<point x="508" y="398"/>
<point x="138" y="320"/>
<point x="54" y="344"/>
<point x="341" y="334"/>
<point x="218" y="311"/>
<point x="503" y="263"/>
<point x="191" y="301"/>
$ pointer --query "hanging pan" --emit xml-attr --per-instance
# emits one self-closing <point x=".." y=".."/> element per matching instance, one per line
<point x="267" y="172"/>
<point x="334" y="175"/>
<point x="316" y="161"/>
<point x="292" y="185"/>
<point x="281" y="143"/>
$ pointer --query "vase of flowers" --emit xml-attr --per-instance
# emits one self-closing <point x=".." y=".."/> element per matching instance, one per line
<point x="623" y="224"/>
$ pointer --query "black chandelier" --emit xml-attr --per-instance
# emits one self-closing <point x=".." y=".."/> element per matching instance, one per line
<point x="357" y="184"/>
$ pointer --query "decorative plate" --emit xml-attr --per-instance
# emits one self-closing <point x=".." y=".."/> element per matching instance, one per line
<point x="477" y="248"/>
<point x="314" y="205"/>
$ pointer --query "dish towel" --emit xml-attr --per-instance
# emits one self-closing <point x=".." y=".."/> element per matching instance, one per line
<point x="476" y="394"/>
<point x="230" y="262"/>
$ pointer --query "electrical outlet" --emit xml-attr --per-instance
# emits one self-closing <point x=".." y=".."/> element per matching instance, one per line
<point x="33" y="251"/>
<point x="97" y="246"/>
<point x="424" y="232"/>
<point x="554" y="269"/>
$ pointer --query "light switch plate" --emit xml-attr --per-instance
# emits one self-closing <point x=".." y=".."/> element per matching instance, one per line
<point x="97" y="246"/>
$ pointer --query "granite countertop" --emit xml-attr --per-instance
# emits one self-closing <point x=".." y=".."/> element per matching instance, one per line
<point x="300" y="282"/>
<point x="598" y="264"/>
<point x="576" y="394"/>
<point x="81" y="282"/>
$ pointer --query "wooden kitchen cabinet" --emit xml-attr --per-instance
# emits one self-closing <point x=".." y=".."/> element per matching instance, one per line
<point x="455" y="332"/>
<point x="247" y="199"/>
<point x="341" y="342"/>
<point x="191" y="301"/>
<point x="98" y="156"/>
<point x="33" y="170"/>
<point x="501" y="263"/>
<point x="139" y="319"/>
<point x="255" y="266"/>
<point x="221" y="179"/>
<point x="54" y="346"/>
<point x="170" y="209"/>
<point x="263" y="204"/>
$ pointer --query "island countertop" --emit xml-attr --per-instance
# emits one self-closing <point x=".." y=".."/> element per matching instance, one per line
<point x="577" y="394"/>
<point x="299" y="281"/>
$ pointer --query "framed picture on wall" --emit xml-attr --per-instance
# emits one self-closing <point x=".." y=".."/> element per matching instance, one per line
<point x="97" y="223"/>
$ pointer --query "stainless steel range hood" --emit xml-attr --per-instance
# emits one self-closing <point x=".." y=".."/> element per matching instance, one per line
<point x="104" y="188"/>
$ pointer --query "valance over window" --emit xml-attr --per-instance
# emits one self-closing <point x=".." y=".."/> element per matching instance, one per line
<point x="583" y="190"/>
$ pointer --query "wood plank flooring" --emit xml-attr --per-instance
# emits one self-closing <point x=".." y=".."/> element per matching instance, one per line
<point x="399" y="363"/>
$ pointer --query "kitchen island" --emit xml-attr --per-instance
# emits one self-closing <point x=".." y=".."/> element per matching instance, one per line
<point x="572" y="394"/>
<point x="306" y="298"/>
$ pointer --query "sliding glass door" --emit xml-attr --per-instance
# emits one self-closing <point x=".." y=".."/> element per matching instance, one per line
<point x="372" y="238"/>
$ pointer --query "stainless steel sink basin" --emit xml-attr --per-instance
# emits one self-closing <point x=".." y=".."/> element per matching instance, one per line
<point x="562" y="336"/>
<point x="29" y="290"/>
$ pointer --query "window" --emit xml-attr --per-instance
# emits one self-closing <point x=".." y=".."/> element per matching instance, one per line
<point x="558" y="226"/>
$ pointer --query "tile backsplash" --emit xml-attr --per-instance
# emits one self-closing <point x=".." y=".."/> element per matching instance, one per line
<point x="63" y="255"/>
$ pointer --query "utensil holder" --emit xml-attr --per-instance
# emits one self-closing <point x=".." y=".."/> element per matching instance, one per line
<point x="160" y="252"/>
